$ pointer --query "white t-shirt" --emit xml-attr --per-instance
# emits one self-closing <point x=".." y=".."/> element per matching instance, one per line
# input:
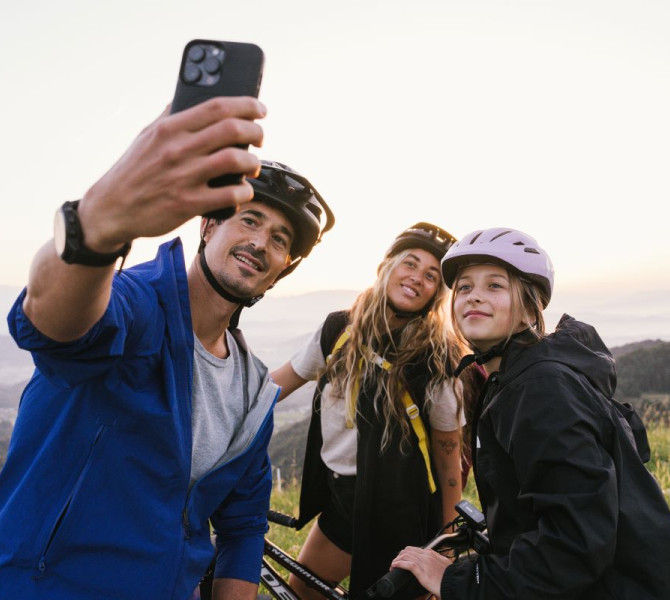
<point x="339" y="442"/>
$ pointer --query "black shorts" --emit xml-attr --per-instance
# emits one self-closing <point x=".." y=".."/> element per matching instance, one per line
<point x="336" y="521"/>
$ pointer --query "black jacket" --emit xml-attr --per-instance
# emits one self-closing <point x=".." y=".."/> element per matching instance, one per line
<point x="393" y="505"/>
<point x="572" y="511"/>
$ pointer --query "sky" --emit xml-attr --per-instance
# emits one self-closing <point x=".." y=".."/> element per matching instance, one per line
<point x="549" y="116"/>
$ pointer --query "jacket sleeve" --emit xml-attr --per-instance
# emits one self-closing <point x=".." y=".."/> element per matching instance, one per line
<point x="240" y="522"/>
<point x="69" y="364"/>
<point x="566" y="502"/>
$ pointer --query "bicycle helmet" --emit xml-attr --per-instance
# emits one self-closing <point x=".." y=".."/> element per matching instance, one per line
<point x="284" y="188"/>
<point x="503" y="246"/>
<point x="425" y="236"/>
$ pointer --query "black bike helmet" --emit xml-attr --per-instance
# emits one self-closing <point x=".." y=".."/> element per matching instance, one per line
<point x="430" y="238"/>
<point x="280" y="186"/>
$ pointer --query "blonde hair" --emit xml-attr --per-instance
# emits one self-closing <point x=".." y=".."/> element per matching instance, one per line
<point x="427" y="339"/>
<point x="527" y="300"/>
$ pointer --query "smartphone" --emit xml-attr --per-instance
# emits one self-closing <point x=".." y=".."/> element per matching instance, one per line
<point x="212" y="68"/>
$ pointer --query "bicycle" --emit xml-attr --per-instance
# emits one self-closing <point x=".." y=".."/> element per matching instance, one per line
<point x="468" y="535"/>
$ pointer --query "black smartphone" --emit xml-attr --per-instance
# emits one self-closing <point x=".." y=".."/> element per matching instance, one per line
<point x="212" y="68"/>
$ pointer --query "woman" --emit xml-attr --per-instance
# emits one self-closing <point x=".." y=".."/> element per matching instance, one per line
<point x="373" y="482"/>
<point x="571" y="510"/>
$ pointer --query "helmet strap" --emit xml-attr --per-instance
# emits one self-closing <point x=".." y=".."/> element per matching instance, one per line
<point x="480" y="358"/>
<point x="403" y="314"/>
<point x="218" y="288"/>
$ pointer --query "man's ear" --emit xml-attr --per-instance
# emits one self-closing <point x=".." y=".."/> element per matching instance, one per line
<point x="206" y="228"/>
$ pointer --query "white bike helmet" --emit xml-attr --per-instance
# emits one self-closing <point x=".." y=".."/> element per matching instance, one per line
<point x="507" y="247"/>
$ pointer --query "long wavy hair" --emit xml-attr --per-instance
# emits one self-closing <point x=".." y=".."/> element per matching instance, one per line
<point x="424" y="339"/>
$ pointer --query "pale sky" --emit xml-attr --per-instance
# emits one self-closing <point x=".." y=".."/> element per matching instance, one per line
<point x="546" y="116"/>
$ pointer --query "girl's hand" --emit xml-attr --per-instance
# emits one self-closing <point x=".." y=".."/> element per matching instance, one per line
<point x="426" y="565"/>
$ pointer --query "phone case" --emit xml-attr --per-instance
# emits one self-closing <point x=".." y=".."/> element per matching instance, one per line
<point x="212" y="68"/>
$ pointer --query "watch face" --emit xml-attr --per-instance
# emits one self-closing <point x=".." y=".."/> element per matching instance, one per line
<point x="59" y="231"/>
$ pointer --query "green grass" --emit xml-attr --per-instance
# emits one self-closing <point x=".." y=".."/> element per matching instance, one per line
<point x="659" y="465"/>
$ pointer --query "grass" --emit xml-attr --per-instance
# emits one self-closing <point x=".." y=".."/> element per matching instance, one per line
<point x="659" y="465"/>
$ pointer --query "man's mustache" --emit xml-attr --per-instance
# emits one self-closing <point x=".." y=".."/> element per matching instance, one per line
<point x="258" y="255"/>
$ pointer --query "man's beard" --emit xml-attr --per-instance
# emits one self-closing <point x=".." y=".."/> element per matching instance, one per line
<point x="235" y="287"/>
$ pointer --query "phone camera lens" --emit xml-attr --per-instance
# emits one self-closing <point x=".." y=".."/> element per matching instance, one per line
<point x="212" y="65"/>
<point x="196" y="53"/>
<point x="191" y="73"/>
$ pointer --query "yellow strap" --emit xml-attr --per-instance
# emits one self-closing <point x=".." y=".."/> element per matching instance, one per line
<point x="420" y="431"/>
<point x="412" y="409"/>
<point x="346" y="334"/>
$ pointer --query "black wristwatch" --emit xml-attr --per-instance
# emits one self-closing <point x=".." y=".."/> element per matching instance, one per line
<point x="69" y="240"/>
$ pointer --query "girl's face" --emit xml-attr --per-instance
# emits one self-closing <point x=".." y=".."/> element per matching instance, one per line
<point x="413" y="283"/>
<point x="483" y="305"/>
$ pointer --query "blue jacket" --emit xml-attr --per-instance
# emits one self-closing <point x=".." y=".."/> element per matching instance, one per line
<point x="94" y="496"/>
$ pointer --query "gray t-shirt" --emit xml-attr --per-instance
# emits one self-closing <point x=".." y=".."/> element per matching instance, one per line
<point x="219" y="404"/>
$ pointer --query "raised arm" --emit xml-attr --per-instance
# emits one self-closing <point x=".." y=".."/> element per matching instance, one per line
<point x="286" y="377"/>
<point x="156" y="186"/>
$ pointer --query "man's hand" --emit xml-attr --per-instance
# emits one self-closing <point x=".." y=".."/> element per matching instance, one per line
<point x="426" y="565"/>
<point x="158" y="184"/>
<point x="161" y="180"/>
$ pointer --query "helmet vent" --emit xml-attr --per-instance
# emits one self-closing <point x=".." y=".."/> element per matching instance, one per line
<point x="474" y="239"/>
<point x="531" y="250"/>
<point x="501" y="234"/>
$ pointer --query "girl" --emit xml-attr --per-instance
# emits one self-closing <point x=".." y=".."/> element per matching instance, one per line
<point x="571" y="510"/>
<point x="376" y="477"/>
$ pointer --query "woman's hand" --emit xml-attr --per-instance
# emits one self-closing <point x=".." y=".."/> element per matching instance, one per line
<point x="426" y="565"/>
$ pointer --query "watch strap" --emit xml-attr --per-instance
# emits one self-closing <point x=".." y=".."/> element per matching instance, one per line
<point x="75" y="251"/>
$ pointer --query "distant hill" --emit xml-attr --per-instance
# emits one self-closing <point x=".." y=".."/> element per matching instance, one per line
<point x="644" y="370"/>
<point x="287" y="449"/>
<point x="620" y="351"/>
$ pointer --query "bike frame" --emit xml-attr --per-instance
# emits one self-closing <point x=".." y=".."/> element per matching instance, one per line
<point x="280" y="589"/>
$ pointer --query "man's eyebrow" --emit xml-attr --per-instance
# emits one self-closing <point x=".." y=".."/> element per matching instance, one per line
<point x="263" y="217"/>
<point x="256" y="213"/>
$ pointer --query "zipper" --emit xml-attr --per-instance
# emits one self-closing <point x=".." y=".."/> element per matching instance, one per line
<point x="482" y="402"/>
<point x="41" y="564"/>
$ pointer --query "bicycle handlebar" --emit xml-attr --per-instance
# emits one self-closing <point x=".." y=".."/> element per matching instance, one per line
<point x="396" y="578"/>
<point x="282" y="519"/>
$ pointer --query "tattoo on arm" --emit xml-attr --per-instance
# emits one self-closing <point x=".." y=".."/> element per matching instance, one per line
<point x="452" y="482"/>
<point x="448" y="446"/>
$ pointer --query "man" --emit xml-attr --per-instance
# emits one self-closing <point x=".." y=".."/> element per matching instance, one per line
<point x="147" y="417"/>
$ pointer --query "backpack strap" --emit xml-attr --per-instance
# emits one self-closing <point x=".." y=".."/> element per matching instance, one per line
<point x="412" y="409"/>
<point x="420" y="431"/>
<point x="339" y="342"/>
